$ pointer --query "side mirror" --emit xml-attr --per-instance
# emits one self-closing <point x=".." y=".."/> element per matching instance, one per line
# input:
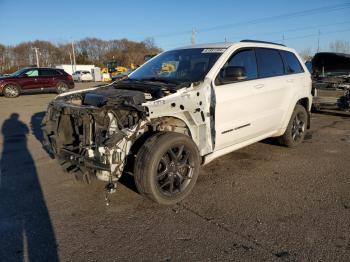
<point x="232" y="74"/>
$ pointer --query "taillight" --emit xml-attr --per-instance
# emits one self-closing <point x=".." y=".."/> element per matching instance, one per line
<point x="70" y="77"/>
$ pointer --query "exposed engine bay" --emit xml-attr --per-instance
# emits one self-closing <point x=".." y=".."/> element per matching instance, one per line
<point x="91" y="132"/>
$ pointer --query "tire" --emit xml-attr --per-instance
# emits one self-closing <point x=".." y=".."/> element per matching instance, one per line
<point x="167" y="167"/>
<point x="296" y="128"/>
<point x="11" y="91"/>
<point x="61" y="88"/>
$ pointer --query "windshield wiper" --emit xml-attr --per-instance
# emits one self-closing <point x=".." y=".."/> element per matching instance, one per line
<point x="162" y="80"/>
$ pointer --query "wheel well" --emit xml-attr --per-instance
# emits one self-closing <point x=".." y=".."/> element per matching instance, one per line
<point x="61" y="81"/>
<point x="169" y="123"/>
<point x="163" y="124"/>
<point x="304" y="102"/>
<point x="11" y="83"/>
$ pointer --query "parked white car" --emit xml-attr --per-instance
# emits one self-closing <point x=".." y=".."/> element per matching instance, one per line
<point x="180" y="110"/>
<point x="81" y="76"/>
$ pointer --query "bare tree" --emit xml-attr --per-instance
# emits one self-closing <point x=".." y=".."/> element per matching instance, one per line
<point x="340" y="46"/>
<point x="88" y="51"/>
<point x="306" y="54"/>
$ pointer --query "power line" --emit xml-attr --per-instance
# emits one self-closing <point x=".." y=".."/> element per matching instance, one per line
<point x="284" y="32"/>
<point x="313" y="11"/>
<point x="318" y="34"/>
<point x="319" y="10"/>
<point x="297" y="29"/>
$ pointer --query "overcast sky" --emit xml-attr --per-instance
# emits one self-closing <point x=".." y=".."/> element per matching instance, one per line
<point x="170" y="22"/>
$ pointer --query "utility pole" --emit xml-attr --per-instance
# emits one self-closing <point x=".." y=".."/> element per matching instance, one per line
<point x="283" y="38"/>
<point x="36" y="49"/>
<point x="193" y="37"/>
<point x="73" y="52"/>
<point x="318" y="40"/>
<point x="71" y="63"/>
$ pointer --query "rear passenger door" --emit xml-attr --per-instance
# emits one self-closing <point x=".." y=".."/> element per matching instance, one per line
<point x="294" y="71"/>
<point x="273" y="89"/>
<point x="47" y="77"/>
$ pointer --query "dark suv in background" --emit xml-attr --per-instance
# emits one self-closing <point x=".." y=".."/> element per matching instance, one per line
<point x="33" y="79"/>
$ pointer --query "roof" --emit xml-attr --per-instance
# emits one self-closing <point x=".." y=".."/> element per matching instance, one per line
<point x="332" y="54"/>
<point x="212" y="45"/>
<point x="229" y="44"/>
<point x="35" y="67"/>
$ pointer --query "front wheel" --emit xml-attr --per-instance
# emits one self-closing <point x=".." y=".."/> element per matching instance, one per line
<point x="167" y="167"/>
<point x="296" y="128"/>
<point x="11" y="91"/>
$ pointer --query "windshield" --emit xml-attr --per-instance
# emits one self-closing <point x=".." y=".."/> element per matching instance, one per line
<point x="19" y="72"/>
<point x="184" y="65"/>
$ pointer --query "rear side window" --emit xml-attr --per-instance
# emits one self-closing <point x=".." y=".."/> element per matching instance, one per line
<point x="269" y="62"/>
<point x="49" y="72"/>
<point x="246" y="59"/>
<point x="291" y="62"/>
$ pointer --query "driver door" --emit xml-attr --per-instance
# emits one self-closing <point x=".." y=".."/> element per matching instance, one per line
<point x="237" y="104"/>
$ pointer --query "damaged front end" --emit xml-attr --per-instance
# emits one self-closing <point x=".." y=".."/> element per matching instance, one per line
<point x="91" y="132"/>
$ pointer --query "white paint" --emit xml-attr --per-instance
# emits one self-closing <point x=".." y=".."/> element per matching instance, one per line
<point x="69" y="68"/>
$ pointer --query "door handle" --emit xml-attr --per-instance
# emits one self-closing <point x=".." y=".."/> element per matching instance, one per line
<point x="259" y="86"/>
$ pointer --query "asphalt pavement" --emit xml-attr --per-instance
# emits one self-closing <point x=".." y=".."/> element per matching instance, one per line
<point x="261" y="203"/>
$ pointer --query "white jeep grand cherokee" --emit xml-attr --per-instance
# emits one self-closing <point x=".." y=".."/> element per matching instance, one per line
<point x="180" y="110"/>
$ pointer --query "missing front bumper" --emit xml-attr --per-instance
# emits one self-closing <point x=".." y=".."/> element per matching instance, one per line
<point x="83" y="161"/>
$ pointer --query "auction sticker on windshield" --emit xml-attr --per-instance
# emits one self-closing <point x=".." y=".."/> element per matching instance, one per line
<point x="213" y="50"/>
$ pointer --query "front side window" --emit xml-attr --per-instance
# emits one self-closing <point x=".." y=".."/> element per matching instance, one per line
<point x="183" y="65"/>
<point x="269" y="62"/>
<point x="32" y="73"/>
<point x="292" y="63"/>
<point x="246" y="59"/>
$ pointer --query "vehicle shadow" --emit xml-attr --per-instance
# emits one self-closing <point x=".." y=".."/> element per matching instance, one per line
<point x="271" y="141"/>
<point x="35" y="125"/>
<point x="26" y="232"/>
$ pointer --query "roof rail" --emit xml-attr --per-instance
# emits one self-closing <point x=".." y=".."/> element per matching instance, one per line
<point x="258" y="41"/>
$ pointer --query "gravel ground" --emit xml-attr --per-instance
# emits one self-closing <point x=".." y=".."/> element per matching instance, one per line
<point x="260" y="203"/>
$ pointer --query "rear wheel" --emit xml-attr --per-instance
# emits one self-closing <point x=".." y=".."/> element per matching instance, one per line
<point x="167" y="167"/>
<point x="11" y="91"/>
<point x="61" y="88"/>
<point x="296" y="128"/>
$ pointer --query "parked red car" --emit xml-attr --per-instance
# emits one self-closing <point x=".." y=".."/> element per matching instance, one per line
<point x="33" y="79"/>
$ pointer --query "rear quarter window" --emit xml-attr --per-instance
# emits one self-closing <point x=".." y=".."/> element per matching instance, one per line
<point x="269" y="62"/>
<point x="291" y="62"/>
<point x="49" y="72"/>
